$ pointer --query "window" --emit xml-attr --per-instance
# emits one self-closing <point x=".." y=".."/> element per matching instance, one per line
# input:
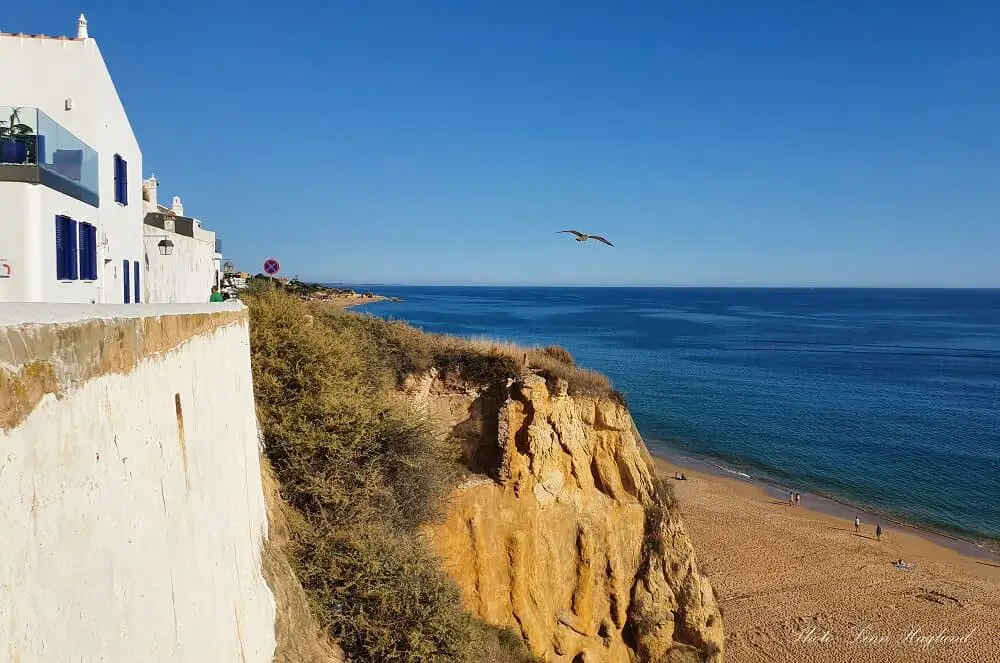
<point x="135" y="281"/>
<point x="88" y="252"/>
<point x="125" y="273"/>
<point x="66" y="253"/>
<point x="121" y="180"/>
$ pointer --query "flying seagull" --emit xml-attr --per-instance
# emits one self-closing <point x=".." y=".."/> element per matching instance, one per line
<point x="580" y="237"/>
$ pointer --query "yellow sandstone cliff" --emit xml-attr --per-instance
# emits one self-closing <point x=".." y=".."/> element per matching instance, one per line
<point x="562" y="530"/>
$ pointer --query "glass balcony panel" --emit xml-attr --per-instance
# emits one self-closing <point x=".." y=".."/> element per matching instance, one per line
<point x="60" y="160"/>
<point x="63" y="154"/>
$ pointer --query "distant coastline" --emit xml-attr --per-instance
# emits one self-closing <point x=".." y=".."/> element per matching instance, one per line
<point x="349" y="302"/>
<point x="591" y="286"/>
<point x="339" y="297"/>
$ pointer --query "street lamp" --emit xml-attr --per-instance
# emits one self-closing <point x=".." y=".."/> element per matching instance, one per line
<point x="166" y="247"/>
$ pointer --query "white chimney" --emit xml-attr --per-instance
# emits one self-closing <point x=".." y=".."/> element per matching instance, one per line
<point x="176" y="207"/>
<point x="81" y="27"/>
<point x="149" y="188"/>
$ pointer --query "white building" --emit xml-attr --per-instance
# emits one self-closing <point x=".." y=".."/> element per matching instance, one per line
<point x="182" y="260"/>
<point x="70" y="175"/>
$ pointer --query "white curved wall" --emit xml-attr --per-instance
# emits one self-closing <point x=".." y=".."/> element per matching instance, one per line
<point x="186" y="275"/>
<point x="126" y="538"/>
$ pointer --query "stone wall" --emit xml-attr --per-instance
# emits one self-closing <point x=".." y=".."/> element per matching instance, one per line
<point x="131" y="506"/>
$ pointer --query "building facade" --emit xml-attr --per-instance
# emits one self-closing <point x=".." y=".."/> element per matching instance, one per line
<point x="182" y="260"/>
<point x="71" y="209"/>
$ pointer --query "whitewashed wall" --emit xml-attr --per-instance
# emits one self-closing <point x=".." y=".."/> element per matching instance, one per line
<point x="187" y="275"/>
<point x="126" y="535"/>
<point x="43" y="73"/>
<point x="28" y="245"/>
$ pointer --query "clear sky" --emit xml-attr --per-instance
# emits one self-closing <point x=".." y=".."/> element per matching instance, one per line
<point x="787" y="142"/>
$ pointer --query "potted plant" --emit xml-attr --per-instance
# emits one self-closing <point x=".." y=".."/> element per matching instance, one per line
<point x="15" y="139"/>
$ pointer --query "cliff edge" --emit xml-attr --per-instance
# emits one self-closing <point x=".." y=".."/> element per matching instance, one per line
<point x="466" y="501"/>
<point x="562" y="530"/>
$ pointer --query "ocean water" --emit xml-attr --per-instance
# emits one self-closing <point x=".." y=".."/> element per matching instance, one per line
<point x="886" y="399"/>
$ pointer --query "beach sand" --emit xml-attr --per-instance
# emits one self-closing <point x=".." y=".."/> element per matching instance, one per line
<point x="800" y="586"/>
<point x="349" y="302"/>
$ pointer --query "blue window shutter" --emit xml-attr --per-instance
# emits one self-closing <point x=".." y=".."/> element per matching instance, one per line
<point x="121" y="180"/>
<point x="125" y="279"/>
<point x="118" y="178"/>
<point x="72" y="272"/>
<point x="60" y="248"/>
<point x="84" y="252"/>
<point x="92" y="258"/>
<point x="135" y="281"/>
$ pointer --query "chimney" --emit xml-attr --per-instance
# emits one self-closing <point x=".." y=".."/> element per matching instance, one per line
<point x="176" y="207"/>
<point x="81" y="27"/>
<point x="149" y="188"/>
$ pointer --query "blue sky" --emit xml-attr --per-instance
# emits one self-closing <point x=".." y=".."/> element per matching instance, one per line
<point x="716" y="143"/>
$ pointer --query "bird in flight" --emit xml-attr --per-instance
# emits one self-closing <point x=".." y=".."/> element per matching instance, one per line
<point x="580" y="237"/>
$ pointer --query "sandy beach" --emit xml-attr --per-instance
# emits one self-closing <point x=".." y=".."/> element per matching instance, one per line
<point x="801" y="586"/>
<point x="350" y="302"/>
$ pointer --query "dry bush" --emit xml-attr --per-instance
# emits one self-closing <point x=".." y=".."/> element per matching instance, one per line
<point x="383" y="595"/>
<point x="299" y="636"/>
<point x="360" y="478"/>
<point x="582" y="381"/>
<point x="552" y="362"/>
<point x="493" y="644"/>
<point x="558" y="353"/>
<point x="405" y="350"/>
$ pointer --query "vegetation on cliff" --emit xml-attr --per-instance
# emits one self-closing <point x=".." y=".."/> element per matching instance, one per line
<point x="361" y="477"/>
<point x="404" y="350"/>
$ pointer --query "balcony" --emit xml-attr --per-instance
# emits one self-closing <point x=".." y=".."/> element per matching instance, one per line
<point x="36" y="149"/>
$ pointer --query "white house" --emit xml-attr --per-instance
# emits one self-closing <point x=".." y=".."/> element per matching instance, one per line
<point x="182" y="260"/>
<point x="70" y="175"/>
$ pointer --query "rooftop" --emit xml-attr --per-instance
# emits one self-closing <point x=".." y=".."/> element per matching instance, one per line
<point x="31" y="36"/>
<point x="81" y="33"/>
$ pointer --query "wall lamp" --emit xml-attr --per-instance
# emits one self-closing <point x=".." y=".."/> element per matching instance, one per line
<point x="166" y="247"/>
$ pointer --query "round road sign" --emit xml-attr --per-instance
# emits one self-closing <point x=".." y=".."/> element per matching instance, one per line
<point x="271" y="266"/>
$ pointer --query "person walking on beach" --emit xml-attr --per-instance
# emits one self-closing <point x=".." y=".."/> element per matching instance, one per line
<point x="791" y="499"/>
<point x="878" y="532"/>
<point x="857" y="524"/>
<point x="796" y="499"/>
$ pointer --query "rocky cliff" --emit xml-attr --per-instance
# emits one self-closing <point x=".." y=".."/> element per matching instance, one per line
<point x="562" y="530"/>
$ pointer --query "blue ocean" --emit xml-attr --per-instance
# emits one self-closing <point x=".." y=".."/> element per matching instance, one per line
<point x="885" y="399"/>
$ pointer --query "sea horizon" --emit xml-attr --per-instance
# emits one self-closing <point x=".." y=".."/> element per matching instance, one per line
<point x="880" y="399"/>
<point x="556" y="286"/>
